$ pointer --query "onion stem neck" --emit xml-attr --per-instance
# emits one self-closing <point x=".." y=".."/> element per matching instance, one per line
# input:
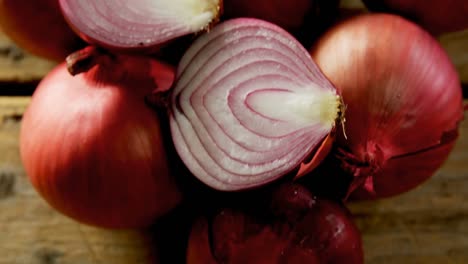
<point x="84" y="59"/>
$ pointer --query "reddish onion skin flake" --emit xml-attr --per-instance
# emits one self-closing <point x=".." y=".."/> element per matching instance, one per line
<point x="249" y="105"/>
<point x="403" y="102"/>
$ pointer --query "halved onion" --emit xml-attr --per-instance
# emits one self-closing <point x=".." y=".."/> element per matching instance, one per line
<point x="121" y="24"/>
<point x="249" y="105"/>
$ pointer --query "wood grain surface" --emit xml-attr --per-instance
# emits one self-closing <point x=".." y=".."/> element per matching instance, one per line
<point x="428" y="225"/>
<point x="456" y="45"/>
<point x="17" y="65"/>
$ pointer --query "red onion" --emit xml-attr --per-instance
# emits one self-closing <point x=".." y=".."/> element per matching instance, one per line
<point x="296" y="228"/>
<point x="249" y="105"/>
<point x="138" y="24"/>
<point x="438" y="16"/>
<point x="286" y="14"/>
<point x="403" y="99"/>
<point x="38" y="27"/>
<point x="305" y="19"/>
<point x="93" y="149"/>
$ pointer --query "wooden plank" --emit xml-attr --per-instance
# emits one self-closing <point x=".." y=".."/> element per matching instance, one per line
<point x="17" y="65"/>
<point x="427" y="225"/>
<point x="456" y="45"/>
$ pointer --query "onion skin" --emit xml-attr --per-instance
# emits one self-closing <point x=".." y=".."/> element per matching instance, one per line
<point x="94" y="150"/>
<point x="296" y="228"/>
<point x="437" y="16"/>
<point x="38" y="27"/>
<point x="403" y="98"/>
<point x="407" y="172"/>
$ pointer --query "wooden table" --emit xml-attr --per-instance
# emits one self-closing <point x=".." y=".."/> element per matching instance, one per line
<point x="428" y="225"/>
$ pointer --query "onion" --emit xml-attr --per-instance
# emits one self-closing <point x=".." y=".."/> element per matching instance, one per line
<point x="138" y="24"/>
<point x="93" y="149"/>
<point x="438" y="16"/>
<point x="249" y="105"/>
<point x="296" y="228"/>
<point x="39" y="28"/>
<point x="286" y="14"/>
<point x="303" y="18"/>
<point x="403" y="99"/>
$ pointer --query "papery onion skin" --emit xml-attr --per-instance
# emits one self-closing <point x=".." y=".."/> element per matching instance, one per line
<point x="437" y="16"/>
<point x="249" y="105"/>
<point x="39" y="28"/>
<point x="93" y="149"/>
<point x="139" y="26"/>
<point x="403" y="98"/>
<point x="296" y="228"/>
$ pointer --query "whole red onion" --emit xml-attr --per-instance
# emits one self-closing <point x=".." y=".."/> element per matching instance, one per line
<point x="403" y="99"/>
<point x="92" y="148"/>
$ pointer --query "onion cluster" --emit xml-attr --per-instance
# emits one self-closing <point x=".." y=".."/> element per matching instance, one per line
<point x="372" y="108"/>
